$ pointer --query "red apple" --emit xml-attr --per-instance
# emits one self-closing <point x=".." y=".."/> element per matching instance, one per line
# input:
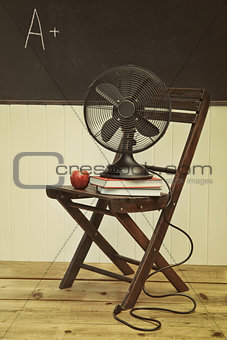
<point x="79" y="179"/>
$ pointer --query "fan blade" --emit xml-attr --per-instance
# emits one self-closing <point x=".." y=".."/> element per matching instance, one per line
<point x="110" y="93"/>
<point x="146" y="128"/>
<point x="108" y="130"/>
<point x="138" y="95"/>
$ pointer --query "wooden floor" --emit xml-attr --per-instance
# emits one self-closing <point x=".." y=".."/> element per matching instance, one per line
<point x="33" y="307"/>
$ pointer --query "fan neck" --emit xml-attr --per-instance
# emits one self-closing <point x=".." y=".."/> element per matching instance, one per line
<point x="126" y="167"/>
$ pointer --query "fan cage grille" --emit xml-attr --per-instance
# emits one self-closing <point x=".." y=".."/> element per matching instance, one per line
<point x="150" y="98"/>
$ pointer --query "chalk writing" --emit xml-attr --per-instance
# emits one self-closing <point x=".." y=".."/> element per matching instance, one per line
<point x="54" y="31"/>
<point x="30" y="32"/>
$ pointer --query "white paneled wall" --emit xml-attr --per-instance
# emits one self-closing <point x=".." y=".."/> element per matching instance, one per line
<point x="34" y="227"/>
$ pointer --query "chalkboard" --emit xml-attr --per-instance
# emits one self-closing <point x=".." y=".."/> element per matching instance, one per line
<point x="52" y="50"/>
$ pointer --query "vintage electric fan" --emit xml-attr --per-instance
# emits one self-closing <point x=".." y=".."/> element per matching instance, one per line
<point x="127" y="110"/>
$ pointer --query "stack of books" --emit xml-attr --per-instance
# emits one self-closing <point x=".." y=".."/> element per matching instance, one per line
<point x="128" y="187"/>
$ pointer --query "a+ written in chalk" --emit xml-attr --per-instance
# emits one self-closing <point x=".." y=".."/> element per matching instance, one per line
<point x="54" y="31"/>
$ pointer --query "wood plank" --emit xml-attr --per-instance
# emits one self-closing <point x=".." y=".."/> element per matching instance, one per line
<point x="20" y="228"/>
<point x="6" y="168"/>
<point x="185" y="92"/>
<point x="178" y="103"/>
<point x="55" y="271"/>
<point x="113" y="291"/>
<point x="88" y="315"/>
<point x="186" y="104"/>
<point x="217" y="213"/>
<point x="36" y="331"/>
<point x="55" y="216"/>
<point x="37" y="176"/>
<point x="179" y="117"/>
<point x="72" y="159"/>
<point x="92" y="305"/>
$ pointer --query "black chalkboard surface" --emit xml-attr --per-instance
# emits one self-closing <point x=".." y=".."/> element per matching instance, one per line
<point x="52" y="50"/>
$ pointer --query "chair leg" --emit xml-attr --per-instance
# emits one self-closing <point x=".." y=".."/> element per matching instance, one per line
<point x="82" y="249"/>
<point x="93" y="233"/>
<point x="143" y="241"/>
<point x="150" y="257"/>
<point x="139" y="278"/>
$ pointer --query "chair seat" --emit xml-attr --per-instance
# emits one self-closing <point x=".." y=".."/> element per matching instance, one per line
<point x="120" y="204"/>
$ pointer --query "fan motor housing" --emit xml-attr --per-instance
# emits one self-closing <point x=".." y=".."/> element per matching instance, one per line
<point x="126" y="108"/>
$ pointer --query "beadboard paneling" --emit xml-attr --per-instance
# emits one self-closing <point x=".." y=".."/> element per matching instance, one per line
<point x="36" y="228"/>
<point x="217" y="195"/>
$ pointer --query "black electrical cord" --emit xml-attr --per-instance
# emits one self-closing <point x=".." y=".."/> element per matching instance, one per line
<point x="157" y="323"/>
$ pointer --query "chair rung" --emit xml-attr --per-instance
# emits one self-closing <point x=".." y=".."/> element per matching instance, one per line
<point x="105" y="272"/>
<point x="90" y="208"/>
<point x="127" y="259"/>
<point x="136" y="262"/>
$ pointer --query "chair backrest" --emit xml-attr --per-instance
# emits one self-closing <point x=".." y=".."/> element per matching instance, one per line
<point x="189" y="106"/>
<point x="186" y="104"/>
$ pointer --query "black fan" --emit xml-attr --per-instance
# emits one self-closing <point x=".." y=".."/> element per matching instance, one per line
<point x="127" y="110"/>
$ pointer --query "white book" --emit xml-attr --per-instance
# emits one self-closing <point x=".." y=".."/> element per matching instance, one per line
<point x="129" y="191"/>
<point x="126" y="183"/>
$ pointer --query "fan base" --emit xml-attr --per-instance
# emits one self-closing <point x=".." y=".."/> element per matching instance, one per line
<point x="126" y="167"/>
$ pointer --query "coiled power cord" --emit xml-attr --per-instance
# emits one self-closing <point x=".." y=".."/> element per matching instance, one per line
<point x="157" y="323"/>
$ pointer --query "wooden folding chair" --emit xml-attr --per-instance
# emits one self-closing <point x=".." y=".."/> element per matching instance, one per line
<point x="189" y="106"/>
